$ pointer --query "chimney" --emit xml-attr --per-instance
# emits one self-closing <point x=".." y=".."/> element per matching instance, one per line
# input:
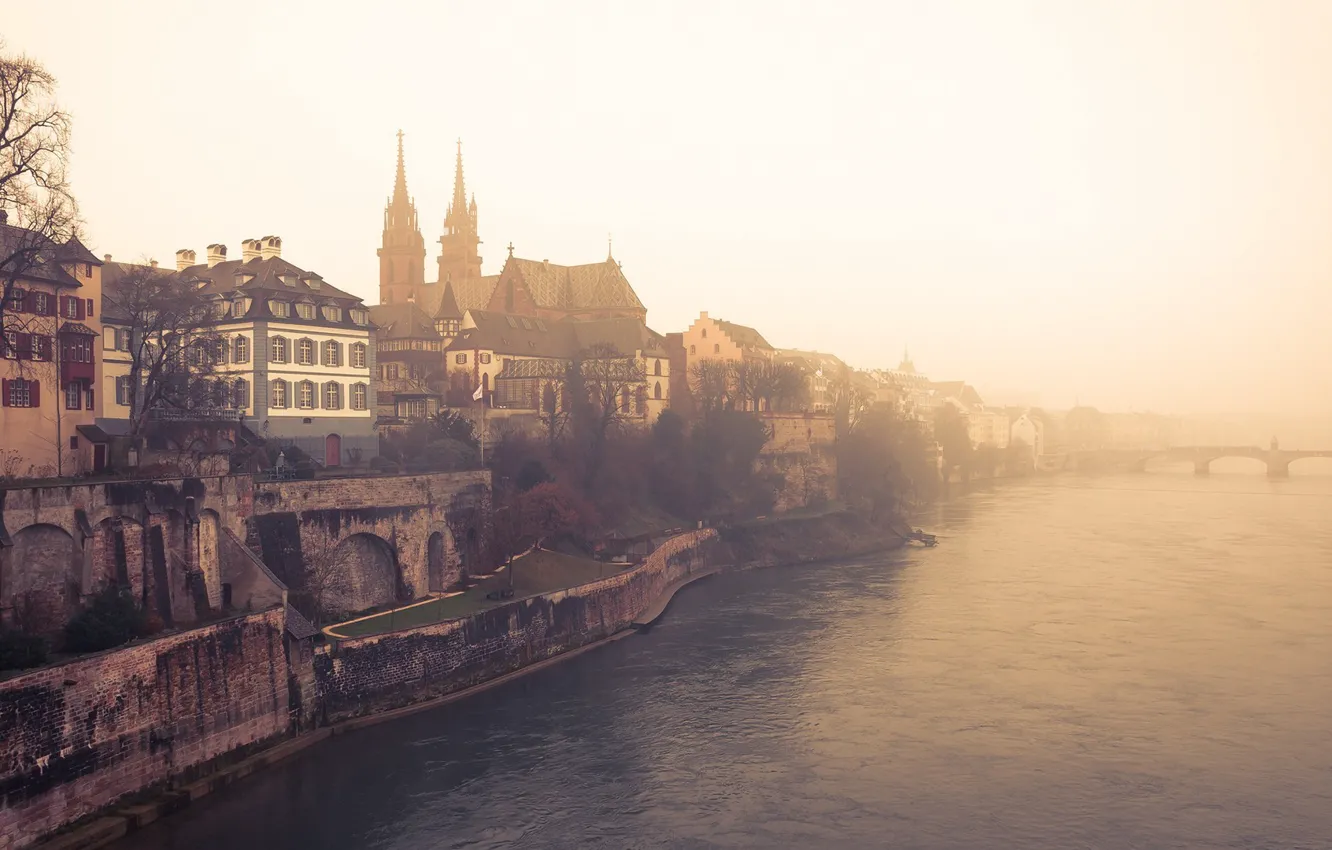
<point x="216" y="254"/>
<point x="184" y="259"/>
<point x="152" y="263"/>
<point x="272" y="247"/>
<point x="703" y="314"/>
<point x="250" y="250"/>
<point x="106" y="258"/>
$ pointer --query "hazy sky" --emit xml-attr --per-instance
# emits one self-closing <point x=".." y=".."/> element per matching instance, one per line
<point x="1126" y="203"/>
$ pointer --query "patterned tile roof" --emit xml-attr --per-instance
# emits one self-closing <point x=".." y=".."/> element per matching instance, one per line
<point x="402" y="321"/>
<point x="582" y="287"/>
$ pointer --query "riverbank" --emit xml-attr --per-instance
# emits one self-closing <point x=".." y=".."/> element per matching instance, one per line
<point x="374" y="679"/>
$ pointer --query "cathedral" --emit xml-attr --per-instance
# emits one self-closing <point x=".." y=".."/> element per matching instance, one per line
<point x="536" y="288"/>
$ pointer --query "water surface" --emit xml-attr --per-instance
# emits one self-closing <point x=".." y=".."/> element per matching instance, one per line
<point x="1118" y="662"/>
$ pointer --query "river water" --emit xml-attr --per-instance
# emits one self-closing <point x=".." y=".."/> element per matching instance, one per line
<point x="1112" y="662"/>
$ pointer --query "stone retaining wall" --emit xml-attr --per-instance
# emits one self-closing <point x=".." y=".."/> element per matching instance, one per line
<point x="76" y="737"/>
<point x="362" y="675"/>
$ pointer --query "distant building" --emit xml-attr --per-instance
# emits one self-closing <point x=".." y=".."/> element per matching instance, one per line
<point x="409" y="365"/>
<point x="1029" y="431"/>
<point x="822" y="373"/>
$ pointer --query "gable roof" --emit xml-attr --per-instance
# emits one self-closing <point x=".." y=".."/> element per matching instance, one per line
<point x="590" y="286"/>
<point x="627" y="335"/>
<point x="402" y="321"/>
<point x="964" y="393"/>
<point x="743" y="336"/>
<point x="448" y="304"/>
<point x="506" y="333"/>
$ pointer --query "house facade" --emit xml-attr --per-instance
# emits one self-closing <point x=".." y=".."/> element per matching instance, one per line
<point x="48" y="354"/>
<point x="296" y="358"/>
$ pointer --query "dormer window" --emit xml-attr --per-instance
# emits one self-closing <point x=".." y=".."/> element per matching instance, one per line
<point x="313" y="282"/>
<point x="288" y="279"/>
<point x="305" y="310"/>
<point x="360" y="317"/>
<point x="240" y="306"/>
<point x="281" y="309"/>
<point x="332" y="313"/>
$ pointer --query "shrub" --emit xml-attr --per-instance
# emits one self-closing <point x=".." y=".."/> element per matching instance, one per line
<point x="19" y="650"/>
<point x="114" y="618"/>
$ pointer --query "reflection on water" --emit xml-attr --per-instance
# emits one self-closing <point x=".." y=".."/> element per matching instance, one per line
<point x="1120" y="662"/>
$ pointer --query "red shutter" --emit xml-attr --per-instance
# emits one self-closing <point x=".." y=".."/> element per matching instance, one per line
<point x="4" y="392"/>
<point x="51" y="306"/>
<point x="78" y="307"/>
<point x="30" y="302"/>
<point x="35" y="394"/>
<point x="24" y="346"/>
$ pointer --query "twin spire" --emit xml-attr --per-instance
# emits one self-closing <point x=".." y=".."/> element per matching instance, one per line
<point x="402" y="209"/>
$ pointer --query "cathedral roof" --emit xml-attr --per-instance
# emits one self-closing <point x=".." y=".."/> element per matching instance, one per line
<point x="524" y="335"/>
<point x="402" y="321"/>
<point x="469" y="294"/>
<point x="594" y="285"/>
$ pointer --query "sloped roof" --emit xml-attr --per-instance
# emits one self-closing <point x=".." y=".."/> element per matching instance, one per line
<point x="402" y="321"/>
<point x="223" y="278"/>
<point x="583" y="287"/>
<point x="508" y="334"/>
<point x="448" y="304"/>
<point x="297" y="625"/>
<point x="40" y="256"/>
<point x="539" y="367"/>
<point x="113" y="277"/>
<point x="626" y="334"/>
<point x="812" y="360"/>
<point x="963" y="392"/>
<point x="743" y="336"/>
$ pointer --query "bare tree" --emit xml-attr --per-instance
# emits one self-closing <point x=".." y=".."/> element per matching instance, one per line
<point x="326" y="579"/>
<point x="38" y="214"/>
<point x="783" y="385"/>
<point x="174" y="350"/>
<point x="710" y="384"/>
<point x="602" y="389"/>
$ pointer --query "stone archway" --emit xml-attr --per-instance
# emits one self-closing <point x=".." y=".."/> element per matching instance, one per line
<point x="369" y="570"/>
<point x="436" y="563"/>
<point x="117" y="555"/>
<point x="40" y="578"/>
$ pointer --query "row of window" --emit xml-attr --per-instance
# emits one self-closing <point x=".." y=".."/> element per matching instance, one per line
<point x="303" y="351"/>
<point x="74" y="348"/>
<point x="25" y="392"/>
<point x="237" y="308"/>
<point x="44" y="304"/>
<point x="306" y="395"/>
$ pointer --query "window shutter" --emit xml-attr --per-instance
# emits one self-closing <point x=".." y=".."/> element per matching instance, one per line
<point x="60" y="304"/>
<point x="24" y="346"/>
<point x="30" y="302"/>
<point x="90" y="308"/>
<point x="4" y="392"/>
<point x="78" y="307"/>
<point x="35" y="394"/>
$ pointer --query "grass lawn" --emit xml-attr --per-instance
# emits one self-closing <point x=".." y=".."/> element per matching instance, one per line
<point x="537" y="572"/>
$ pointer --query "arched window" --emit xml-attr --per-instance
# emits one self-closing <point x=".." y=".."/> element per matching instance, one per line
<point x="241" y="350"/>
<point x="359" y="396"/>
<point x="332" y="353"/>
<point x="277" y="394"/>
<point x="693" y="350"/>
<point x="656" y="391"/>
<point x="240" y="394"/>
<point x="358" y="355"/>
<point x="705" y="333"/>
<point x="624" y="400"/>
<point x="305" y="352"/>
<point x="716" y="348"/>
<point x="307" y="395"/>
<point x="642" y="400"/>
<point x="332" y="395"/>
<point x="279" y="346"/>
<point x="485" y="382"/>
<point x="656" y="367"/>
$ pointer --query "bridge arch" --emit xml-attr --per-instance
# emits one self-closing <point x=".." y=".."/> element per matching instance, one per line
<point x="1311" y="466"/>
<point x="364" y="572"/>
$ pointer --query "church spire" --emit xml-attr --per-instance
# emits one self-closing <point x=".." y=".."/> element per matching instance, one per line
<point x="400" y="180"/>
<point x="402" y="250"/>
<point x="459" y="259"/>
<point x="458" y="211"/>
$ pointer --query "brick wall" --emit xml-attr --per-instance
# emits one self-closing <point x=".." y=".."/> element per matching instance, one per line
<point x="802" y="447"/>
<point x="362" y="675"/>
<point x="74" y="738"/>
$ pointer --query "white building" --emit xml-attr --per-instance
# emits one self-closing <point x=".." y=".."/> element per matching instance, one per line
<point x="298" y="353"/>
<point x="1030" y="432"/>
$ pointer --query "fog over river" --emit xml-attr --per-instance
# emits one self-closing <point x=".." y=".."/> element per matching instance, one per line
<point x="1083" y="662"/>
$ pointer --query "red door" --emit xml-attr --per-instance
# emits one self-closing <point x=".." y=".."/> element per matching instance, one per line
<point x="332" y="450"/>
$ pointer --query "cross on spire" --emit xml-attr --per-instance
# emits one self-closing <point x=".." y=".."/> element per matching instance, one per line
<point x="510" y="249"/>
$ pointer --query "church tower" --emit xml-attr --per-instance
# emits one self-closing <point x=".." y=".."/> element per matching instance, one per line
<point x="459" y="259"/>
<point x="402" y="254"/>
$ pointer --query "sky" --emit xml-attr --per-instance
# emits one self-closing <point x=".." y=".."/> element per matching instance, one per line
<point x="1119" y="203"/>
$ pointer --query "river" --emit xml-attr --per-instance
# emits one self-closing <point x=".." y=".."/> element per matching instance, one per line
<point x="1112" y="662"/>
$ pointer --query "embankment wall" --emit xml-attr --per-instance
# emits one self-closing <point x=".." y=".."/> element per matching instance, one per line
<point x="76" y="737"/>
<point x="368" y="674"/>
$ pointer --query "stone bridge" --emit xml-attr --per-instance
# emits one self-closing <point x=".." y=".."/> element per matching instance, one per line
<point x="192" y="547"/>
<point x="1276" y="459"/>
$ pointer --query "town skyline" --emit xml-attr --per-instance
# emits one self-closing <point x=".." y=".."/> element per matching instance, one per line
<point x="744" y="221"/>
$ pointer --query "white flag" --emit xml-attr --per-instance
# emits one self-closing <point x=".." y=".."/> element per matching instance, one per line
<point x="476" y="396"/>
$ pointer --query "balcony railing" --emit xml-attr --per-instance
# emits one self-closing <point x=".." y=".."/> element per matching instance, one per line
<point x="198" y="414"/>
